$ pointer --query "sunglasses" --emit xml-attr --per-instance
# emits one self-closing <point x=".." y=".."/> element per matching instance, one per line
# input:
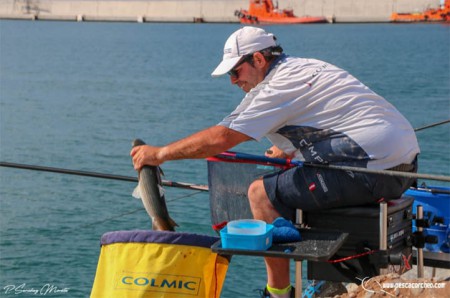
<point x="233" y="72"/>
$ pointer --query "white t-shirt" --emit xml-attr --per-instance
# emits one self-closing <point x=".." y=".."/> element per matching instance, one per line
<point x="321" y="113"/>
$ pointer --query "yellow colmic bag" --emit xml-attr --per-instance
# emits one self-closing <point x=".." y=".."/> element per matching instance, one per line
<point x="158" y="264"/>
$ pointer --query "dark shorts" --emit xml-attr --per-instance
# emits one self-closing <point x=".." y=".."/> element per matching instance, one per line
<point x="310" y="188"/>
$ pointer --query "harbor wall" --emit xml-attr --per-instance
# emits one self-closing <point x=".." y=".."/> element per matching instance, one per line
<point x="202" y="10"/>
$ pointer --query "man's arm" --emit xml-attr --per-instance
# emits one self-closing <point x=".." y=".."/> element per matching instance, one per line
<point x="202" y="144"/>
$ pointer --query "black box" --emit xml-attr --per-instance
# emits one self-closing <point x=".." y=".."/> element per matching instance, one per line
<point x="363" y="225"/>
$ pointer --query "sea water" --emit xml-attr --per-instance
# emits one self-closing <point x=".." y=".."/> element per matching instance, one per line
<point x="75" y="95"/>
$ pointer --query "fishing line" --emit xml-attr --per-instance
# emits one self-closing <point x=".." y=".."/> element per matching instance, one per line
<point x="112" y="218"/>
<point x="185" y="196"/>
<point x="136" y="210"/>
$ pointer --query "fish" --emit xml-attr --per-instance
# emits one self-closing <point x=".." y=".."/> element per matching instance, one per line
<point x="151" y="192"/>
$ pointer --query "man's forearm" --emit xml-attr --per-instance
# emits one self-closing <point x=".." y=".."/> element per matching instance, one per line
<point x="202" y="144"/>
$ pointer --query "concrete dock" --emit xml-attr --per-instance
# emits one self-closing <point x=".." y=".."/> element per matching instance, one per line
<point x="208" y="11"/>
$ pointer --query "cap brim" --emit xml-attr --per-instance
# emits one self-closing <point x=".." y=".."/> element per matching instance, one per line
<point x="225" y="66"/>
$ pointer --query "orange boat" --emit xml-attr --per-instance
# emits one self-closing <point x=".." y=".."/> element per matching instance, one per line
<point x="264" y="12"/>
<point x="441" y="14"/>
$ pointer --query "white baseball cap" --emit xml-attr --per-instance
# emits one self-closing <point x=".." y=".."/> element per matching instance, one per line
<point x="244" y="41"/>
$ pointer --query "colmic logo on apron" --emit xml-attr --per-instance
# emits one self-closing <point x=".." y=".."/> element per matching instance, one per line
<point x="154" y="282"/>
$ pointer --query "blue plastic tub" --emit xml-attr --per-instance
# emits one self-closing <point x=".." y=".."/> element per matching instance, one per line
<point x="436" y="209"/>
<point x="441" y="233"/>
<point x="248" y="242"/>
<point x="435" y="205"/>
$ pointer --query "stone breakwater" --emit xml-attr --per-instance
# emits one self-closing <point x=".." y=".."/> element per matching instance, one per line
<point x="209" y="11"/>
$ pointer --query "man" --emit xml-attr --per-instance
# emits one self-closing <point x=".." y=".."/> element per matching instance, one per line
<point x="309" y="110"/>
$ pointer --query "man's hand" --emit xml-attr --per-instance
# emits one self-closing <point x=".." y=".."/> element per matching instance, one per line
<point x="275" y="152"/>
<point x="146" y="155"/>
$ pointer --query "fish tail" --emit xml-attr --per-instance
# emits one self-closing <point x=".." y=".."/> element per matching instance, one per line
<point x="173" y="223"/>
<point x="159" y="224"/>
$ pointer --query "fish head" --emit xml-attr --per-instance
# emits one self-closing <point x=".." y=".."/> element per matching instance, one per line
<point x="137" y="142"/>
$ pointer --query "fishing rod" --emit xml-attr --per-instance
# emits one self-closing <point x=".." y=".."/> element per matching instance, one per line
<point x="99" y="175"/>
<point x="290" y="163"/>
<point x="432" y="125"/>
<point x="244" y="156"/>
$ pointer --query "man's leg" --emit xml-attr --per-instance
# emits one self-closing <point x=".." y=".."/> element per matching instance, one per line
<point x="262" y="209"/>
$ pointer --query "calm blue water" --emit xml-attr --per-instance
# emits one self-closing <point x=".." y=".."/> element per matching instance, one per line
<point x="74" y="95"/>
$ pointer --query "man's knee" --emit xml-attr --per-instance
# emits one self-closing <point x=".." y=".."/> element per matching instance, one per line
<point x="256" y="191"/>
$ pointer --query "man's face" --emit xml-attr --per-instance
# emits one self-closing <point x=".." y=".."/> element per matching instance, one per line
<point x="246" y="76"/>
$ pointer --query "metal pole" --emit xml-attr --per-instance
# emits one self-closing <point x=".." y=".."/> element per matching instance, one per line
<point x="383" y="231"/>
<point x="419" y="213"/>
<point x="298" y="264"/>
<point x="298" y="279"/>
<point x="299" y="217"/>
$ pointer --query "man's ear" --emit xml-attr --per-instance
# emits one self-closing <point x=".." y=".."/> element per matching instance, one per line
<point x="258" y="60"/>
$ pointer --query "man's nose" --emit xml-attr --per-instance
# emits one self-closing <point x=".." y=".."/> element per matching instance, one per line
<point x="233" y="80"/>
